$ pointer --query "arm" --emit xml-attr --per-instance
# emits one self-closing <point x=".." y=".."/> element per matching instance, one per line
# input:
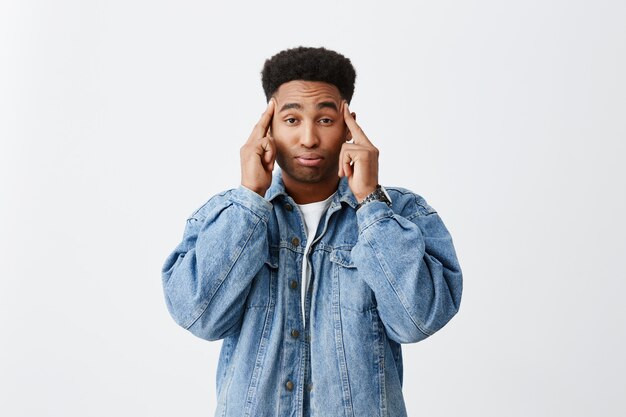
<point x="407" y="259"/>
<point x="410" y="263"/>
<point x="208" y="276"/>
<point x="206" y="279"/>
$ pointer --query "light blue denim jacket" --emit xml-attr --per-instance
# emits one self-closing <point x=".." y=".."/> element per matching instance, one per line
<point x="380" y="277"/>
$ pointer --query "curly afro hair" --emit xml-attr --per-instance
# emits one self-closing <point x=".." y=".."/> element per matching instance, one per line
<point x="308" y="64"/>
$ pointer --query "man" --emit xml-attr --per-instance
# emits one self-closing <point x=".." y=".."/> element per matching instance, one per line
<point x="315" y="274"/>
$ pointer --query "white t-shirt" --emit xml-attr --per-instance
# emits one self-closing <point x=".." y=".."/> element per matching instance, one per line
<point x="312" y="213"/>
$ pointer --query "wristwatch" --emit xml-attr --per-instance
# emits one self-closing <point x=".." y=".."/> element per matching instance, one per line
<point x="379" y="194"/>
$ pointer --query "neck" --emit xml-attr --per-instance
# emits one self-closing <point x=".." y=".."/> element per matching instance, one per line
<point x="305" y="193"/>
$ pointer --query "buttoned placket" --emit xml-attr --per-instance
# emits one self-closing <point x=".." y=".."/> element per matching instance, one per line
<point x="291" y="385"/>
<point x="306" y="387"/>
<point x="334" y="207"/>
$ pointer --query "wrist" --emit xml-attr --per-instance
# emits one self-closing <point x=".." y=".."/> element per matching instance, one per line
<point x="363" y="195"/>
<point x="378" y="194"/>
<point x="258" y="190"/>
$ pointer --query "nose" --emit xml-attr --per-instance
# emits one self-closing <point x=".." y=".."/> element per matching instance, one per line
<point x="309" y="137"/>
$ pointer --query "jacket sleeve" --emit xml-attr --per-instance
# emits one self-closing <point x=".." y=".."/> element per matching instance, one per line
<point x="206" y="279"/>
<point x="409" y="261"/>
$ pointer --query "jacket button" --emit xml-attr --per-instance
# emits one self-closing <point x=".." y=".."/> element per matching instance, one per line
<point x="295" y="334"/>
<point x="289" y="386"/>
<point x="293" y="284"/>
<point x="288" y="207"/>
<point x="295" y="241"/>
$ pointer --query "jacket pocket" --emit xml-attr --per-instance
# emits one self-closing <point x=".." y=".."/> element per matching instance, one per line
<point x="354" y="293"/>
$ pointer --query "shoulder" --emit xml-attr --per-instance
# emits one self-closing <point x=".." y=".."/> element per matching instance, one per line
<point x="215" y="200"/>
<point x="241" y="196"/>
<point x="408" y="203"/>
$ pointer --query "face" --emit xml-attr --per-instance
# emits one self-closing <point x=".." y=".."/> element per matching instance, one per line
<point x="308" y="129"/>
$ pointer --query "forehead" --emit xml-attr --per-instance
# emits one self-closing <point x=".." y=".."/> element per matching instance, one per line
<point x="307" y="93"/>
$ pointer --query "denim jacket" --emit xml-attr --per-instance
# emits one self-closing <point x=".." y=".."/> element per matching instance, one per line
<point x="380" y="276"/>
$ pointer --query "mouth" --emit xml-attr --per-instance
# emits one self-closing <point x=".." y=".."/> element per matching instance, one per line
<point x="309" y="159"/>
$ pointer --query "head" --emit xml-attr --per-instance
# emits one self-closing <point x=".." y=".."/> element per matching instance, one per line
<point x="309" y="86"/>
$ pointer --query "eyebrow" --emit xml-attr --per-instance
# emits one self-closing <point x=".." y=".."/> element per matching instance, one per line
<point x="298" y="106"/>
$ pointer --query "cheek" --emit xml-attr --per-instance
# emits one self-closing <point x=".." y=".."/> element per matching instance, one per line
<point x="281" y="141"/>
<point x="281" y="132"/>
<point x="336" y="138"/>
<point x="280" y="146"/>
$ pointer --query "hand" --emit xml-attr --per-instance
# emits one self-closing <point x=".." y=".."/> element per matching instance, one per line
<point x="358" y="160"/>
<point x="258" y="154"/>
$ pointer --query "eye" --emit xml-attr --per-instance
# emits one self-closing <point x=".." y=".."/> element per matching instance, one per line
<point x="290" y="120"/>
<point x="326" y="121"/>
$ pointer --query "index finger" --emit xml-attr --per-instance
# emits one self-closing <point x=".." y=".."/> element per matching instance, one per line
<point x="262" y="126"/>
<point x="357" y="133"/>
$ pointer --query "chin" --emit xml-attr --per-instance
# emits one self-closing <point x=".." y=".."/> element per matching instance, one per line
<point x="311" y="178"/>
<point x="305" y="176"/>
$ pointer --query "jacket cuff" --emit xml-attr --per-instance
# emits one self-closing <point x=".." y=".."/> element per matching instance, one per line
<point x="371" y="213"/>
<point x="252" y="201"/>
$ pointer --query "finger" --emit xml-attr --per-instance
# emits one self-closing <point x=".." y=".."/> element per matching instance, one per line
<point x="269" y="150"/>
<point x="347" y="168"/>
<point x="262" y="126"/>
<point x="342" y="153"/>
<point x="346" y="162"/>
<point x="357" y="133"/>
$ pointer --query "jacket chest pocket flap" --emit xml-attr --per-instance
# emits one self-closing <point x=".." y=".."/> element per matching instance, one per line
<point x="354" y="293"/>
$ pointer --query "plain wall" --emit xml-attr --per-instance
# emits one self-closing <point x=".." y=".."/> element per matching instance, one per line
<point x="119" y="118"/>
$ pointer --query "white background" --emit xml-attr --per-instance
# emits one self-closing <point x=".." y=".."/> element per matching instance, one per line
<point x="119" y="118"/>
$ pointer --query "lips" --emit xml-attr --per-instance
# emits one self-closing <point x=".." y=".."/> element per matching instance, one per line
<point x="310" y="159"/>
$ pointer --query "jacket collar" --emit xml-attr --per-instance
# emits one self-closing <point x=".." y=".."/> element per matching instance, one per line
<point x="344" y="194"/>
